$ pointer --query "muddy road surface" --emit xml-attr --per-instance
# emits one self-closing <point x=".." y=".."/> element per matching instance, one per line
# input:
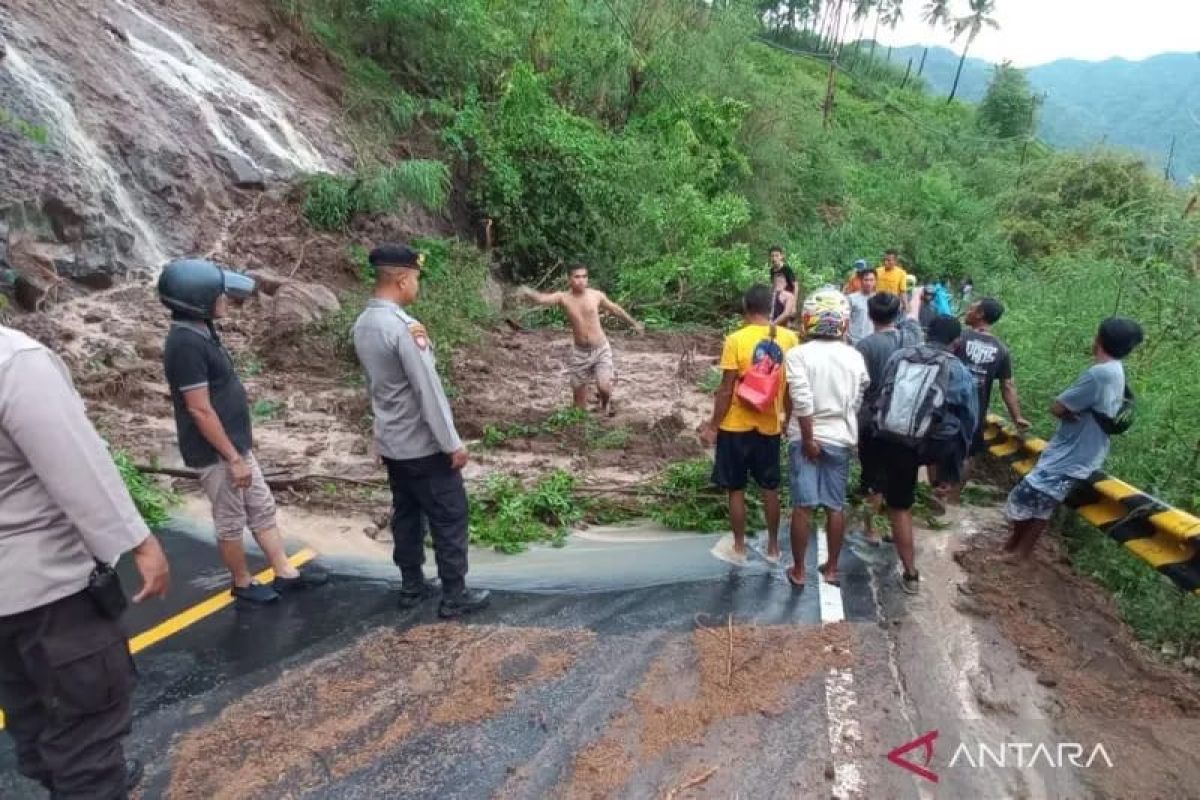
<point x="634" y="663"/>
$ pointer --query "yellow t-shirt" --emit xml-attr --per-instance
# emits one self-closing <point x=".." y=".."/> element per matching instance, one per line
<point x="891" y="280"/>
<point x="737" y="354"/>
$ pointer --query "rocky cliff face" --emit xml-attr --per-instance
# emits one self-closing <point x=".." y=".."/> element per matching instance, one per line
<point x="133" y="131"/>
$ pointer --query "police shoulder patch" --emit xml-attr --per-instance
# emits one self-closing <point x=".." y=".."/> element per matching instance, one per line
<point x="419" y="335"/>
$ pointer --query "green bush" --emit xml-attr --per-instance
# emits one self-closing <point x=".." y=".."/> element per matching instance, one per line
<point x="153" y="502"/>
<point x="508" y="517"/>
<point x="332" y="201"/>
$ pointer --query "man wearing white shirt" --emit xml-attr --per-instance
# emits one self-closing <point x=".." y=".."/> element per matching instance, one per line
<point x="826" y="378"/>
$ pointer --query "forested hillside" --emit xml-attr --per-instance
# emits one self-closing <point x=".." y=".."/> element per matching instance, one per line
<point x="668" y="143"/>
<point x="1136" y="105"/>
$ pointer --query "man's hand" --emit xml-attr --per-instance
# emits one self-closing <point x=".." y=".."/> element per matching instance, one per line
<point x="812" y="450"/>
<point x="524" y="292"/>
<point x="708" y="434"/>
<point x="151" y="563"/>
<point x="1022" y="424"/>
<point x="459" y="458"/>
<point x="240" y="474"/>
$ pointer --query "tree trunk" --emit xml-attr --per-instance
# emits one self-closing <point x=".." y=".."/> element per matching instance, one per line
<point x="907" y="72"/>
<point x="958" y="72"/>
<point x="921" y="69"/>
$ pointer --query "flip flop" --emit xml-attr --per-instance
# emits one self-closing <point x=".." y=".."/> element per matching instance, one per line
<point x="821" y="569"/>
<point x="798" y="585"/>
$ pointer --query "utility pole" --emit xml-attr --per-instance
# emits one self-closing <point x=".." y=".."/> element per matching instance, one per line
<point x="1170" y="160"/>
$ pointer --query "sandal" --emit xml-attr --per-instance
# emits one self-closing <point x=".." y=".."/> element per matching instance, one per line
<point x="797" y="585"/>
<point x="823" y="569"/>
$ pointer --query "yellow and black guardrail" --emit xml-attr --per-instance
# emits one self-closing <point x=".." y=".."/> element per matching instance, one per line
<point x="1165" y="537"/>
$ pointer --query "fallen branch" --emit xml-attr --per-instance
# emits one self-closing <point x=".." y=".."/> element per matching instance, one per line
<point x="275" y="480"/>
<point x="691" y="783"/>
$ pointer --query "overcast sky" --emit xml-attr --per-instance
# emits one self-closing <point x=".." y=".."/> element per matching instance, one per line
<point x="1036" y="31"/>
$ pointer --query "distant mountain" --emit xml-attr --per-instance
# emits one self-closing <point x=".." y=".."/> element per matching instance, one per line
<point x="1137" y="105"/>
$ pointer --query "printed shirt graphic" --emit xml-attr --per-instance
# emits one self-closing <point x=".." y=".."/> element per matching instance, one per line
<point x="988" y="360"/>
<point x="744" y="348"/>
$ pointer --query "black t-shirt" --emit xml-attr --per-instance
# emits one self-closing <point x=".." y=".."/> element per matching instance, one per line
<point x="789" y="275"/>
<point x="988" y="360"/>
<point x="192" y="358"/>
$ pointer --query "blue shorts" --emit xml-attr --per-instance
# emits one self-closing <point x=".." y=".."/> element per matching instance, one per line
<point x="820" y="484"/>
<point x="1026" y="501"/>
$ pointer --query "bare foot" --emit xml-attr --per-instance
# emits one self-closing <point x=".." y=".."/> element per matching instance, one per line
<point x="773" y="552"/>
<point x="830" y="574"/>
<point x="796" y="576"/>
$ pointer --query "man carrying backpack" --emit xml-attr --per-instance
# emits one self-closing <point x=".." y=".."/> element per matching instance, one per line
<point x="925" y="414"/>
<point x="1092" y="409"/>
<point x="893" y="330"/>
<point x="745" y="421"/>
<point x="826" y="378"/>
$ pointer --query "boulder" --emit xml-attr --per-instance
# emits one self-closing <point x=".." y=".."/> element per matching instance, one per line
<point x="298" y="304"/>
<point x="265" y="281"/>
<point x="240" y="171"/>
<point x="35" y="265"/>
<point x="68" y="224"/>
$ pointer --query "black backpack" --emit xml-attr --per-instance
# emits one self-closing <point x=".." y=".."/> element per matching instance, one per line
<point x="1121" y="421"/>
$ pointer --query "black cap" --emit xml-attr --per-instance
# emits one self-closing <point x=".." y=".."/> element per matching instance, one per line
<point x="391" y="254"/>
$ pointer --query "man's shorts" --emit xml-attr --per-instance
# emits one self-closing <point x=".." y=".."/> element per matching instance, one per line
<point x="1026" y="502"/>
<point x="749" y="453"/>
<point x="820" y="484"/>
<point x="591" y="365"/>
<point x="901" y="464"/>
<point x="234" y="510"/>
<point x="872" y="460"/>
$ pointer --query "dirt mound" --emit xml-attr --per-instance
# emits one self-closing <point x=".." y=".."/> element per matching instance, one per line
<point x="1108" y="686"/>
<point x="716" y="674"/>
<point x="336" y="715"/>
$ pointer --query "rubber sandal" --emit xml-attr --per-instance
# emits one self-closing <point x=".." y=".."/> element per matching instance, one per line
<point x="797" y="585"/>
<point x="821" y="569"/>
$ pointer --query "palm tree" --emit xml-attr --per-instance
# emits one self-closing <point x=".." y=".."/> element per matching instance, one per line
<point x="971" y="25"/>
<point x="936" y="12"/>
<point x="892" y="15"/>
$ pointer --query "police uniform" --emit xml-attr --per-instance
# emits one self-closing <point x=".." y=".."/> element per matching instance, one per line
<point x="66" y="676"/>
<point x="414" y="430"/>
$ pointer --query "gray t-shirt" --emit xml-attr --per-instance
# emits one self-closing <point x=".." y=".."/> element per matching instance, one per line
<point x="876" y="349"/>
<point x="860" y="323"/>
<point x="1079" y="446"/>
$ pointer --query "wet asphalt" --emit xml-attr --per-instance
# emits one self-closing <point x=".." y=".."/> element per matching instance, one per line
<point x="188" y="678"/>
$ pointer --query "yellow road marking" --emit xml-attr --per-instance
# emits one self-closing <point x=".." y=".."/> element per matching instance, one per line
<point x="1115" y="489"/>
<point x="1160" y="550"/>
<point x="1180" y="524"/>
<point x="1102" y="513"/>
<point x="199" y="611"/>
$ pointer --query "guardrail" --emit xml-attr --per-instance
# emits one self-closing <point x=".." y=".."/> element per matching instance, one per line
<point x="1165" y="537"/>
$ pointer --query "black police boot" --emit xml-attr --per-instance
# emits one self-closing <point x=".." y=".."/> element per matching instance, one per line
<point x="133" y="774"/>
<point x="413" y="593"/>
<point x="464" y="601"/>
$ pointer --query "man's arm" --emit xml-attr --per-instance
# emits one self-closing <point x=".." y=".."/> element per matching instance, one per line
<point x="616" y="310"/>
<point x="800" y="389"/>
<point x="435" y="408"/>
<point x="199" y="406"/>
<point x="1008" y="391"/>
<point x="721" y="404"/>
<point x="1077" y="398"/>
<point x="540" y="298"/>
<point x="45" y="418"/>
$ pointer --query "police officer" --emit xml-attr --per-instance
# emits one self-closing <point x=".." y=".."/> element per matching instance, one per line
<point x="415" y="434"/>
<point x="66" y="676"/>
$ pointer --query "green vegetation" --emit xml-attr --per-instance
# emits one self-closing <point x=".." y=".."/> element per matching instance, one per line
<point x="153" y="502"/>
<point x="265" y="409"/>
<point x="333" y="201"/>
<point x="580" y="427"/>
<point x="667" y="143"/>
<point x="1156" y="610"/>
<point x="684" y="499"/>
<point x="36" y="133"/>
<point x="509" y="517"/>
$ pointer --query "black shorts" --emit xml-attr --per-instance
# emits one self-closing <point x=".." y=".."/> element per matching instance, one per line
<point x="746" y="453"/>
<point x="872" y="461"/>
<point x="899" y="474"/>
<point x="978" y="445"/>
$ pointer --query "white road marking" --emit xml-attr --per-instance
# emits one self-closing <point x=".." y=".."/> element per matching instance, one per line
<point x="841" y="702"/>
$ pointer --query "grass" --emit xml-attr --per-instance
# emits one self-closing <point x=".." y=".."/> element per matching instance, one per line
<point x="684" y="499"/>
<point x="575" y="421"/>
<point x="711" y="381"/>
<point x="1157" y="611"/>
<point x="332" y="201"/>
<point x="264" y="409"/>
<point x="152" y="501"/>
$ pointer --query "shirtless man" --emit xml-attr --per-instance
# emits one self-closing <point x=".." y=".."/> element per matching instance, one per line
<point x="591" y="357"/>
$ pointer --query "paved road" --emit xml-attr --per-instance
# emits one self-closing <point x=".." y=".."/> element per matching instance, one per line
<point x="913" y="666"/>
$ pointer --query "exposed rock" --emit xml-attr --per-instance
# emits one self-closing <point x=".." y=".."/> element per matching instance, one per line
<point x="68" y="224"/>
<point x="241" y="172"/>
<point x="35" y="265"/>
<point x="265" y="281"/>
<point x="298" y="304"/>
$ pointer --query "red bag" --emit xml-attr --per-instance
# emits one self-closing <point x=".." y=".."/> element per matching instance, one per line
<point x="759" y="387"/>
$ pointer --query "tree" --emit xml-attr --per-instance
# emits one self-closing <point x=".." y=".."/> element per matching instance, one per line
<point x="892" y="14"/>
<point x="936" y="13"/>
<point x="1008" y="108"/>
<point x="971" y="24"/>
